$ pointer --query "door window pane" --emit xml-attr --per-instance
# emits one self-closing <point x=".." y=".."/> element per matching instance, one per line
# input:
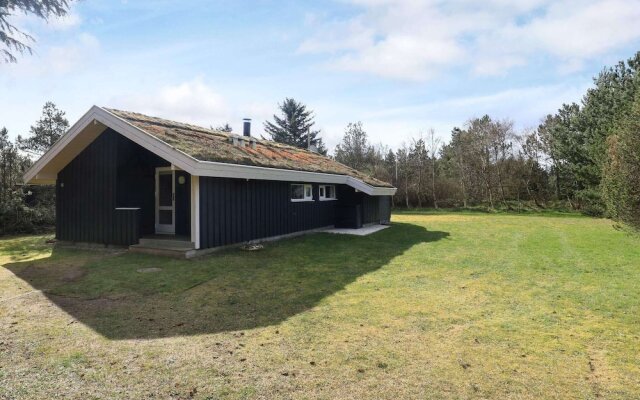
<point x="165" y="217"/>
<point x="165" y="189"/>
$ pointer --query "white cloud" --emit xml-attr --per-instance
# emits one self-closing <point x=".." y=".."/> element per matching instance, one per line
<point x="193" y="101"/>
<point x="395" y="125"/>
<point x="69" y="21"/>
<point x="416" y="40"/>
<point x="34" y="25"/>
<point x="73" y="55"/>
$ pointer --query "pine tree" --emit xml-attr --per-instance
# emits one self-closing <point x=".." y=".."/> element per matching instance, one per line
<point x="12" y="38"/>
<point x="621" y="173"/>
<point x="46" y="131"/>
<point x="294" y="125"/>
<point x="223" y="128"/>
<point x="355" y="150"/>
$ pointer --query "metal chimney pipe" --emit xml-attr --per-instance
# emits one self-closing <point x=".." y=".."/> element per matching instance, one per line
<point x="246" y="128"/>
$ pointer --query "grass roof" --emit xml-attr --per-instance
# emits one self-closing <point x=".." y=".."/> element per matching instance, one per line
<point x="210" y="145"/>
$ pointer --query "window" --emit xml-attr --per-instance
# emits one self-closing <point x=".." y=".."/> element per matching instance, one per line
<point x="327" y="192"/>
<point x="301" y="192"/>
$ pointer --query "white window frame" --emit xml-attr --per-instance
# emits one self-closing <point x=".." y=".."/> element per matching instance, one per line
<point x="304" y="190"/>
<point x="322" y="192"/>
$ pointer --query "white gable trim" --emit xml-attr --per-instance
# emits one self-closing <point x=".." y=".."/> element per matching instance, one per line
<point x="186" y="162"/>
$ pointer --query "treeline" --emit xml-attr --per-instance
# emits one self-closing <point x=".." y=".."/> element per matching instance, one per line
<point x="27" y="209"/>
<point x="585" y="157"/>
<point x="486" y="163"/>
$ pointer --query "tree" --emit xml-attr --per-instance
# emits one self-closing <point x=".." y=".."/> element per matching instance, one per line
<point x="533" y="176"/>
<point x="602" y="107"/>
<point x="621" y="173"/>
<point x="577" y="135"/>
<point x="355" y="150"/>
<point x="294" y="125"/>
<point x="499" y="136"/>
<point x="565" y="144"/>
<point x="432" y="153"/>
<point x="46" y="131"/>
<point x="404" y="170"/>
<point x="15" y="215"/>
<point x="391" y="165"/>
<point x="479" y="132"/>
<point x="418" y="159"/>
<point x="13" y="39"/>
<point x="223" y="128"/>
<point x="10" y="162"/>
<point x="455" y="157"/>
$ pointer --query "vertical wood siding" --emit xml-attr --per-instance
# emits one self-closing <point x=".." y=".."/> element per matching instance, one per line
<point x="236" y="210"/>
<point x="384" y="210"/>
<point x="183" y="204"/>
<point x="126" y="227"/>
<point x="86" y="193"/>
<point x="111" y="172"/>
<point x="137" y="181"/>
<point x="114" y="172"/>
<point x="370" y="209"/>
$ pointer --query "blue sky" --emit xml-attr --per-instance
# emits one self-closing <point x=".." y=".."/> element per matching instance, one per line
<point x="400" y="67"/>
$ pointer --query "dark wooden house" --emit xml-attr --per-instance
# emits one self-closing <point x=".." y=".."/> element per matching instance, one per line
<point x="127" y="179"/>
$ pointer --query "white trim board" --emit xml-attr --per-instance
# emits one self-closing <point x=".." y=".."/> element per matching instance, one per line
<point x="97" y="119"/>
<point x="195" y="211"/>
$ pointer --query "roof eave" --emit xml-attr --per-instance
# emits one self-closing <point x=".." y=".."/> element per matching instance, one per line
<point x="186" y="162"/>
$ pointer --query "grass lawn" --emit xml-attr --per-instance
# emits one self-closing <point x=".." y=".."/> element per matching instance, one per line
<point x="440" y="305"/>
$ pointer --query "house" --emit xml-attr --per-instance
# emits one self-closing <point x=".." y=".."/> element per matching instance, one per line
<point x="127" y="179"/>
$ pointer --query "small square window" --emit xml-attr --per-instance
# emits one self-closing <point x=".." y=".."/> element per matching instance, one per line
<point x="301" y="192"/>
<point x="327" y="192"/>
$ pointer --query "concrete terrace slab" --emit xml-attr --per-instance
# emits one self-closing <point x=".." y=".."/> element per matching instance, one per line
<point x="364" y="231"/>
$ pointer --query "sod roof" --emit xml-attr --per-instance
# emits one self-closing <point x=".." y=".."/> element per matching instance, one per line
<point x="210" y="145"/>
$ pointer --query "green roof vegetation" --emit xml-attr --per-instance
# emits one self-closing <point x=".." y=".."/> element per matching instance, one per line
<point x="210" y="145"/>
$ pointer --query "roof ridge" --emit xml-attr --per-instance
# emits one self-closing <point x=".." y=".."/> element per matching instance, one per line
<point x="168" y="123"/>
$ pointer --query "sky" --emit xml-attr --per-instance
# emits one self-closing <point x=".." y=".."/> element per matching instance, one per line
<point x="400" y="67"/>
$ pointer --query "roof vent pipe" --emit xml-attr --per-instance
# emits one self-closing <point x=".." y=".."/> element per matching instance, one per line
<point x="246" y="128"/>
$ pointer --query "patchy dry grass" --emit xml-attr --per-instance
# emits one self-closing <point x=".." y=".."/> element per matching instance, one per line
<point x="438" y="306"/>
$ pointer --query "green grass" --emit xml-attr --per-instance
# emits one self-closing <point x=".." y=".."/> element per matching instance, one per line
<point x="440" y="305"/>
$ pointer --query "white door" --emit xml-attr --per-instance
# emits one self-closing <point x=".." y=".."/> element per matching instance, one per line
<point x="165" y="201"/>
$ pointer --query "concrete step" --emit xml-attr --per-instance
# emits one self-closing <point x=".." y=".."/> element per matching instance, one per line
<point x="166" y="243"/>
<point x="163" y="251"/>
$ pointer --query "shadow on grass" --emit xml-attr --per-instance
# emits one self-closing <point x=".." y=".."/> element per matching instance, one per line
<point x="229" y="291"/>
